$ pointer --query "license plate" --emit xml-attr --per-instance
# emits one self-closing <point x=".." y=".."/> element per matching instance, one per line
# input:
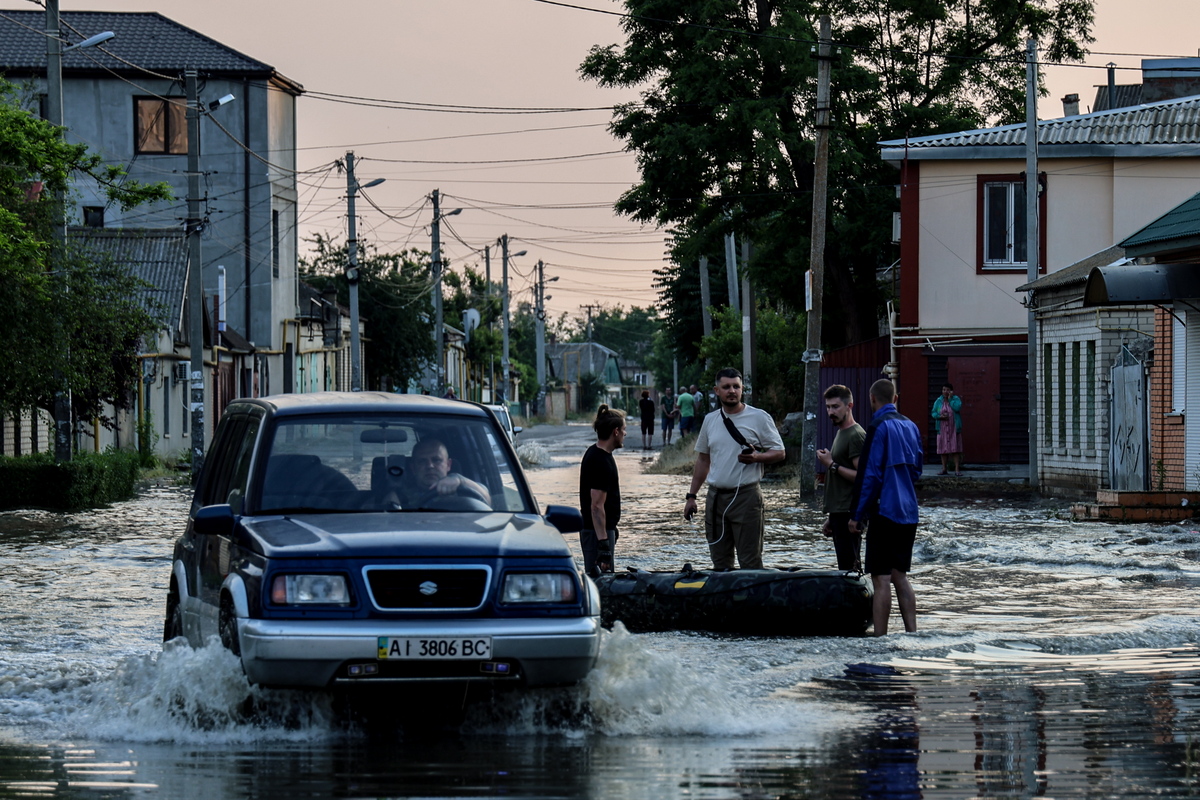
<point x="446" y="648"/>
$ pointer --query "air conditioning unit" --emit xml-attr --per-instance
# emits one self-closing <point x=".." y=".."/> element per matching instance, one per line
<point x="179" y="371"/>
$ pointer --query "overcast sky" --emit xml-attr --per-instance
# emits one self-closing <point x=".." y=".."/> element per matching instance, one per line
<point x="510" y="54"/>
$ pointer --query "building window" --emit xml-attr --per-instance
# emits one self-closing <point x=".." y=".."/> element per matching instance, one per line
<point x="1048" y="393"/>
<point x="1178" y="363"/>
<point x="275" y="243"/>
<point x="1062" y="394"/>
<point x="1002" y="230"/>
<point x="93" y="216"/>
<point x="160" y="126"/>
<point x="1089" y="391"/>
<point x="1076" y="437"/>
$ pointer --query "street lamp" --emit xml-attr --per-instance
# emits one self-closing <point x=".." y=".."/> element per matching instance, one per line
<point x="352" y="187"/>
<point x="435" y="266"/>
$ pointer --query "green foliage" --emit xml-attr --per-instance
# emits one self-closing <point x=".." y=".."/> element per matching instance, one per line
<point x="779" y="381"/>
<point x="723" y="130"/>
<point x="394" y="304"/>
<point x="147" y="438"/>
<point x="81" y="318"/>
<point x="86" y="481"/>
<point x="591" y="390"/>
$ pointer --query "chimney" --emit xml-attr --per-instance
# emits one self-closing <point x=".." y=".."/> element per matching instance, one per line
<point x="1071" y="105"/>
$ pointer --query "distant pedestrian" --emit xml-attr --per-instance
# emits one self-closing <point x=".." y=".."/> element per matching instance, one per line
<point x="949" y="428"/>
<point x="450" y="395"/>
<point x="647" y="409"/>
<point x="687" y="406"/>
<point x="841" y="468"/>
<point x="668" y="415"/>
<point x="885" y="495"/>
<point x="700" y="404"/>
<point x="600" y="492"/>
<point x="735" y="442"/>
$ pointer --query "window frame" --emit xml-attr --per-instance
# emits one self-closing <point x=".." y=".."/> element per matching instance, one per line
<point x="168" y="138"/>
<point x="982" y="265"/>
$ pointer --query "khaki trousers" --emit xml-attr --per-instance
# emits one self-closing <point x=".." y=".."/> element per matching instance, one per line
<point x="733" y="524"/>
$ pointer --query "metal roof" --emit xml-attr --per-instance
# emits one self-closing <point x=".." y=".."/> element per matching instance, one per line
<point x="1128" y="94"/>
<point x="143" y="41"/>
<point x="158" y="256"/>
<point x="1078" y="272"/>
<point x="1165" y="128"/>
<point x="1180" y="223"/>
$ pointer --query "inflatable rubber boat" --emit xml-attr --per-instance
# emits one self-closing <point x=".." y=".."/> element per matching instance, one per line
<point x="761" y="602"/>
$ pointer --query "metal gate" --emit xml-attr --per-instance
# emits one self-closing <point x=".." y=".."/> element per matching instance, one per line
<point x="1128" y="456"/>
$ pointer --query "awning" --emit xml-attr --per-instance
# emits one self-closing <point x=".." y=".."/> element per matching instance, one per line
<point x="1141" y="284"/>
<point x="235" y="341"/>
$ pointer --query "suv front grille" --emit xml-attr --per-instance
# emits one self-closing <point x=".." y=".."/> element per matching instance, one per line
<point x="427" y="589"/>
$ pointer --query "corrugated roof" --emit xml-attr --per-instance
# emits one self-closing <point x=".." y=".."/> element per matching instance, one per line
<point x="1181" y="222"/>
<point x="146" y="39"/>
<point x="1077" y="272"/>
<point x="1172" y="123"/>
<point x="1127" y="95"/>
<point x="156" y="255"/>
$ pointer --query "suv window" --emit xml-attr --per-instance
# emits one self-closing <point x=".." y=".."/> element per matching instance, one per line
<point x="372" y="462"/>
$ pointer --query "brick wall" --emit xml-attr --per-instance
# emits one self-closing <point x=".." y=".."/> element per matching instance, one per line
<point x="1168" y="453"/>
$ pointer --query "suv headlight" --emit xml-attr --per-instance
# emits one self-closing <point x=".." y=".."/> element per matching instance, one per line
<point x="538" y="587"/>
<point x="310" y="589"/>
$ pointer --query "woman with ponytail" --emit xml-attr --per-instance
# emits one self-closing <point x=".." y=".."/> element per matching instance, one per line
<point x="600" y="492"/>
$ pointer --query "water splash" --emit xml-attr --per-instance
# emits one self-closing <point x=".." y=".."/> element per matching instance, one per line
<point x="533" y="454"/>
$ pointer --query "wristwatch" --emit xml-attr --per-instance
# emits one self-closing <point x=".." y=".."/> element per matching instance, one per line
<point x="689" y="496"/>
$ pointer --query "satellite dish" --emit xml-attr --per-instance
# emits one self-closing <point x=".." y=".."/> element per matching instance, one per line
<point x="470" y="321"/>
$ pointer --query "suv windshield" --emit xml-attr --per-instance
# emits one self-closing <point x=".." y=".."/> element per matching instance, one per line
<point x="392" y="462"/>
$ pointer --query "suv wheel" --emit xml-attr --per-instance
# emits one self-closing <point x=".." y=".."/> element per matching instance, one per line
<point x="227" y="625"/>
<point x="173" y="624"/>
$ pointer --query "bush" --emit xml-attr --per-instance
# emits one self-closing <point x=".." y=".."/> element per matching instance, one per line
<point x="86" y="481"/>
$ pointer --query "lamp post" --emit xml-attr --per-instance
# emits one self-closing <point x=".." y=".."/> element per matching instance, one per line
<point x="352" y="188"/>
<point x="504" y="363"/>
<point x="54" y="113"/>
<point x="435" y="268"/>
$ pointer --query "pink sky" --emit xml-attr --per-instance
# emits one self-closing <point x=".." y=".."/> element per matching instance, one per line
<point x="509" y="53"/>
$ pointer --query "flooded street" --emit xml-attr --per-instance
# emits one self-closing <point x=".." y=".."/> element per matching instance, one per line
<point x="1053" y="659"/>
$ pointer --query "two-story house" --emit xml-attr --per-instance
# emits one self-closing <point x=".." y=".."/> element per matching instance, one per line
<point x="1102" y="176"/>
<point x="126" y="101"/>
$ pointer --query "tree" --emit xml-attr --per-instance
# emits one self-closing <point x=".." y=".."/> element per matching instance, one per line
<point x="724" y="139"/>
<point x="394" y="303"/>
<point x="779" y="384"/>
<point x="82" y="318"/>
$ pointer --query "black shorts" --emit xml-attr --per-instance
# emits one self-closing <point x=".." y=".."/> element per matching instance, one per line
<point x="648" y="426"/>
<point x="889" y="546"/>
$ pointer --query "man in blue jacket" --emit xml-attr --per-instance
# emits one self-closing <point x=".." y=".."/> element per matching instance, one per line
<point x="885" y="494"/>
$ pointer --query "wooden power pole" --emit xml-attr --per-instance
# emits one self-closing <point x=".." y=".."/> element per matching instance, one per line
<point x="816" y="273"/>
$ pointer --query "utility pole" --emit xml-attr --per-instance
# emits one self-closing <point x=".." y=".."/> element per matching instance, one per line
<point x="352" y="276"/>
<point x="195" y="274"/>
<point x="540" y="319"/>
<point x="435" y="267"/>
<point x="705" y="302"/>
<point x="439" y="329"/>
<point x="1033" y="239"/>
<point x="748" y="320"/>
<point x="54" y="108"/>
<point x="812" y="353"/>
<point x="487" y="293"/>
<point x="588" y="308"/>
<point x="731" y="270"/>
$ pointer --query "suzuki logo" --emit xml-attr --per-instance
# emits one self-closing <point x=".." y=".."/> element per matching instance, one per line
<point x="428" y="587"/>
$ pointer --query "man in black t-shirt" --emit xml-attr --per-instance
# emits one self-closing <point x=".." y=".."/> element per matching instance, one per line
<point x="646" y="407"/>
<point x="600" y="493"/>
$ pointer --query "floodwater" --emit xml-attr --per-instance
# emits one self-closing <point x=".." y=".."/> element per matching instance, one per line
<point x="1054" y="659"/>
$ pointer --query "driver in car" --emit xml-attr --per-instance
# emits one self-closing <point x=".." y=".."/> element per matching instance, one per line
<point x="429" y="475"/>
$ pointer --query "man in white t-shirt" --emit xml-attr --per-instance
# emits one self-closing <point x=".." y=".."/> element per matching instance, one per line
<point x="732" y="463"/>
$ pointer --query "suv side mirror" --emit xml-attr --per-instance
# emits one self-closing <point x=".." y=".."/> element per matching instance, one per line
<point x="566" y="518"/>
<point x="214" y="520"/>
